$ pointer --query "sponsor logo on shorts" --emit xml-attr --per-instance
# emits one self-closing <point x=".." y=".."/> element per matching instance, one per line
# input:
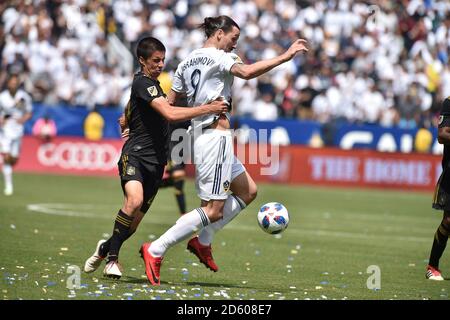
<point x="131" y="171"/>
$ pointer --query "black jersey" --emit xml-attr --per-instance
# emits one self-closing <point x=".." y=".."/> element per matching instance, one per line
<point x="444" y="121"/>
<point x="149" y="130"/>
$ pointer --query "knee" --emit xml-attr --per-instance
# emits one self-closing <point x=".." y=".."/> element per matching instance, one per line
<point x="252" y="194"/>
<point x="133" y="204"/>
<point x="446" y="221"/>
<point x="8" y="159"/>
<point x="213" y="214"/>
<point x="249" y="196"/>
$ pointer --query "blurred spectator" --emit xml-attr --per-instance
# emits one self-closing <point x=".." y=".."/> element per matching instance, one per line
<point x="45" y="129"/>
<point x="93" y="126"/>
<point x="390" y="68"/>
<point x="264" y="109"/>
<point x="423" y="140"/>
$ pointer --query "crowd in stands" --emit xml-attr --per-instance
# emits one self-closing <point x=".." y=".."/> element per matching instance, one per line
<point x="386" y="63"/>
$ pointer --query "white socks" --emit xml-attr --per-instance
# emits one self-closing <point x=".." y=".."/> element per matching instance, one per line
<point x="233" y="205"/>
<point x="185" y="226"/>
<point x="7" y="174"/>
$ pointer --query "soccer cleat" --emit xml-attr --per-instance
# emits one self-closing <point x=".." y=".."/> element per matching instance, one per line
<point x="433" y="274"/>
<point x="94" y="261"/>
<point x="152" y="264"/>
<point x="203" y="253"/>
<point x="113" y="270"/>
<point x="8" y="191"/>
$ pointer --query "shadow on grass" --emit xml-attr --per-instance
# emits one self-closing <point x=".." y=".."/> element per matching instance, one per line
<point x="128" y="279"/>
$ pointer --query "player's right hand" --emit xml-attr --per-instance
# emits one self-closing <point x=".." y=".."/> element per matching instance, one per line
<point x="299" y="45"/>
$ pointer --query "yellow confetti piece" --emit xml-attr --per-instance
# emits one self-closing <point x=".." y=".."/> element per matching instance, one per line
<point x="64" y="249"/>
<point x="294" y="251"/>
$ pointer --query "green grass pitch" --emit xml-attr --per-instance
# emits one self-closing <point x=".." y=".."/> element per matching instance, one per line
<point x="53" y="223"/>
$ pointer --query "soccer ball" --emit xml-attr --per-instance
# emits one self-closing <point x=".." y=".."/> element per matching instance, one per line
<point x="273" y="217"/>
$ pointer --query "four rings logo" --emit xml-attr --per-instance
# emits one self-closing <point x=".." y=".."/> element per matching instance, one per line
<point x="79" y="155"/>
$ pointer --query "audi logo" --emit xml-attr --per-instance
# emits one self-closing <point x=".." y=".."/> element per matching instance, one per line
<point x="80" y="156"/>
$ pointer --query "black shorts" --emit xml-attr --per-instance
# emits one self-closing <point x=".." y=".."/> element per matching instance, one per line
<point x="135" y="167"/>
<point x="441" y="199"/>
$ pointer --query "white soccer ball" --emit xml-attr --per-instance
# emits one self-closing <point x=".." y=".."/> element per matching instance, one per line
<point x="273" y="217"/>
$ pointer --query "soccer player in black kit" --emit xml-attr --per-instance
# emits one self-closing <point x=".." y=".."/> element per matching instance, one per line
<point x="144" y="154"/>
<point x="441" y="199"/>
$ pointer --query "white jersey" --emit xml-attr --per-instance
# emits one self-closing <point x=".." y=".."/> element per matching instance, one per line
<point x="13" y="108"/>
<point x="205" y="76"/>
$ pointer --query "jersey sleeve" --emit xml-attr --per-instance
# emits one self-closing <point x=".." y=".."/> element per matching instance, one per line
<point x="228" y="60"/>
<point x="147" y="90"/>
<point x="444" y="118"/>
<point x="177" y="81"/>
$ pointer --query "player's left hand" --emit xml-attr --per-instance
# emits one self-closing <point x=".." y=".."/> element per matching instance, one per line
<point x="297" y="46"/>
<point x="125" y="133"/>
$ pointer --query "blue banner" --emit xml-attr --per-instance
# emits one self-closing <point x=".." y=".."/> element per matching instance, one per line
<point x="70" y="120"/>
<point x="375" y="137"/>
<point x="283" y="132"/>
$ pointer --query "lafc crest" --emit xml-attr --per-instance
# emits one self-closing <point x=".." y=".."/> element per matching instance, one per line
<point x="226" y="185"/>
<point x="152" y="91"/>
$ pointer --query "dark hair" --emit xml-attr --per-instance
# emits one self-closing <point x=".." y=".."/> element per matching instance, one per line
<point x="147" y="46"/>
<point x="212" y="24"/>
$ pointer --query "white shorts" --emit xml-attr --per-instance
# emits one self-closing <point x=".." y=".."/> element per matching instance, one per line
<point x="10" y="146"/>
<point x="216" y="166"/>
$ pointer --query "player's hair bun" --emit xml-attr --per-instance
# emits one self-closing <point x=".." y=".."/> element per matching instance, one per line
<point x="211" y="24"/>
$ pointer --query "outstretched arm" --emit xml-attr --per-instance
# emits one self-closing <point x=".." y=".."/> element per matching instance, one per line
<point x="174" y="113"/>
<point x="250" y="71"/>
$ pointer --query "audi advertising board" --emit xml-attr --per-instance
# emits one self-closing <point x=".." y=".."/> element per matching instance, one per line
<point x="70" y="156"/>
<point x="289" y="164"/>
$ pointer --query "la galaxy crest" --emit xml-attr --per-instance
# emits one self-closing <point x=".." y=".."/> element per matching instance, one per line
<point x="226" y="186"/>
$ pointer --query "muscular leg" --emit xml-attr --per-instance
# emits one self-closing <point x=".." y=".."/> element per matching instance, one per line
<point x="8" y="163"/>
<point x="187" y="225"/>
<point x="178" y="183"/>
<point x="126" y="221"/>
<point x="244" y="192"/>
<point x="440" y="240"/>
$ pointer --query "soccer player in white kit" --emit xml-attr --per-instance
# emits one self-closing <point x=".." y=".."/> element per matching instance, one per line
<point x="15" y="110"/>
<point x="205" y="75"/>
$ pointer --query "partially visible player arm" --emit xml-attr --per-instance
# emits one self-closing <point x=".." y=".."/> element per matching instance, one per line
<point x="123" y="122"/>
<point x="26" y="99"/>
<point x="175" y="96"/>
<point x="444" y="135"/>
<point x="250" y="71"/>
<point x="27" y="116"/>
<point x="174" y="113"/>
